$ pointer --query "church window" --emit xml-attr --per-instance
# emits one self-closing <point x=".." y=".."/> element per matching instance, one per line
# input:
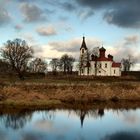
<point x="105" y="65"/>
<point x="82" y="50"/>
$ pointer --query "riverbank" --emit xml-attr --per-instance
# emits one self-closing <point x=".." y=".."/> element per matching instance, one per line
<point x="53" y="92"/>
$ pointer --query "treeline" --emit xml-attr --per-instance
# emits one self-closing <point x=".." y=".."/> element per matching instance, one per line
<point x="65" y="64"/>
<point x="18" y="57"/>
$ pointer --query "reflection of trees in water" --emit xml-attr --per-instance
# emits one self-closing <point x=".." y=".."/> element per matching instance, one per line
<point x="88" y="113"/>
<point x="82" y="114"/>
<point x="48" y="115"/>
<point x="16" y="121"/>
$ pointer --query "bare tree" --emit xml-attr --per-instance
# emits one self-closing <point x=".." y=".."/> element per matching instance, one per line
<point x="128" y="63"/>
<point x="54" y="63"/>
<point x="66" y="63"/>
<point x="17" y="53"/>
<point x="71" y="61"/>
<point x="63" y="62"/>
<point x="38" y="66"/>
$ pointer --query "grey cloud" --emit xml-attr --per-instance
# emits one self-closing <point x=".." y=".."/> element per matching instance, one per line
<point x="4" y="16"/>
<point x="72" y="45"/>
<point x="127" y="46"/>
<point x="63" y="4"/>
<point x="118" y="12"/>
<point x="95" y="3"/>
<point x="132" y="40"/>
<point x="61" y="47"/>
<point x="68" y="6"/>
<point x="123" y="17"/>
<point x="32" y="13"/>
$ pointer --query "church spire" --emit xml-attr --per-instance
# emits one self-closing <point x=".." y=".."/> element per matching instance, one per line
<point x="83" y="44"/>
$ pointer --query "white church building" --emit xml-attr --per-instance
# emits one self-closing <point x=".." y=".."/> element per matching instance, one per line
<point x="97" y="64"/>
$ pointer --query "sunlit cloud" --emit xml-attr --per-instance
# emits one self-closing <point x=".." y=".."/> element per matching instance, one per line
<point x="46" y="30"/>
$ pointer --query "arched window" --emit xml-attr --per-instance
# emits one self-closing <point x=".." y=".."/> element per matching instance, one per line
<point x="82" y="50"/>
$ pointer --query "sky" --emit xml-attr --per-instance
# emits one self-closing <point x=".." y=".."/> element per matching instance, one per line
<point x="56" y="27"/>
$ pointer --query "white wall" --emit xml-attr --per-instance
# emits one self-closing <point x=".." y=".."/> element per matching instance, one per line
<point x="116" y="71"/>
<point x="103" y="71"/>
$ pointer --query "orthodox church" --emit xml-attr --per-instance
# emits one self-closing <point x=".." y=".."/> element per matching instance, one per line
<point x="97" y="64"/>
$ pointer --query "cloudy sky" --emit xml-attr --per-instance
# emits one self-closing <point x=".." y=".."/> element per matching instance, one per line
<point x="56" y="27"/>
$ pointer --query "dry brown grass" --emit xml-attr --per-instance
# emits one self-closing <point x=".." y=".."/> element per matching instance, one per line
<point x="18" y="94"/>
<point x="70" y="90"/>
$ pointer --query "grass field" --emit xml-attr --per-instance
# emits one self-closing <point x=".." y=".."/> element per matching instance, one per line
<point x="60" y="90"/>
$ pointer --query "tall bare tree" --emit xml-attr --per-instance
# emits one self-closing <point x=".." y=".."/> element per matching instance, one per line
<point x="38" y="65"/>
<point x="128" y="62"/>
<point x="54" y="63"/>
<point x="17" y="53"/>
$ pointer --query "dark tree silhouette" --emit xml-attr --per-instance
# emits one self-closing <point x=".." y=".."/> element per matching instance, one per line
<point x="66" y="63"/>
<point x="17" y="53"/>
<point x="54" y="63"/>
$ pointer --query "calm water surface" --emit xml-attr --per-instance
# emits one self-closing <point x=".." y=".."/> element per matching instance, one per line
<point x="71" y="125"/>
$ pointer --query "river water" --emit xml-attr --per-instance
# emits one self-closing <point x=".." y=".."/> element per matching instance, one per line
<point x="71" y="125"/>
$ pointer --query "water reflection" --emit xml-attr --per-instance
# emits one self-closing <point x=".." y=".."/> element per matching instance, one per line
<point x="16" y="121"/>
<point x="95" y="124"/>
<point x="88" y="113"/>
<point x="123" y="136"/>
<point x="2" y="135"/>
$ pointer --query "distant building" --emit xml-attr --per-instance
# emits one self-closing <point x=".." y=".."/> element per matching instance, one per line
<point x="98" y="65"/>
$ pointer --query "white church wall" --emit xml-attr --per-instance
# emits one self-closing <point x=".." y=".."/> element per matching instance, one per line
<point x="116" y="71"/>
<point x="105" y="69"/>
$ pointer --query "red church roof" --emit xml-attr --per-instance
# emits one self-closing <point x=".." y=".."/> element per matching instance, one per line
<point x="116" y="64"/>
